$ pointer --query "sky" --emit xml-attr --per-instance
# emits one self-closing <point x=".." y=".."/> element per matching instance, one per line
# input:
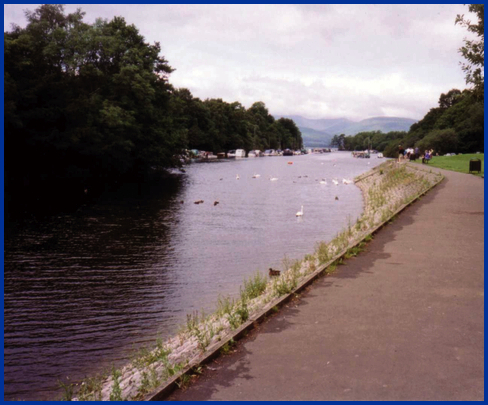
<point x="317" y="61"/>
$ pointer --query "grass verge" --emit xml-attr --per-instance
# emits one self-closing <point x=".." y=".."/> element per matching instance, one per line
<point x="458" y="163"/>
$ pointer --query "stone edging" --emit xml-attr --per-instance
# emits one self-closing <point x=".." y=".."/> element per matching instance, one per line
<point x="214" y="350"/>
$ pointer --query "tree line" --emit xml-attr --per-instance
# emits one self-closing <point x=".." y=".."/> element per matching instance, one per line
<point x="456" y="125"/>
<point x="88" y="105"/>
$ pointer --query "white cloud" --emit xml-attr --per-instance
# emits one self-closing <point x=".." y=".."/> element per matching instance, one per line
<point x="353" y="61"/>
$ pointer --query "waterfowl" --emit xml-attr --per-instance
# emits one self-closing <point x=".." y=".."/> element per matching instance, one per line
<point x="274" y="272"/>
<point x="300" y="213"/>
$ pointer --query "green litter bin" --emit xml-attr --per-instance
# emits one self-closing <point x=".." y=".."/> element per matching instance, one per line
<point x="475" y="165"/>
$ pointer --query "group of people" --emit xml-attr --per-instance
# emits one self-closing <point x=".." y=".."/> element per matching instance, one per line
<point x="427" y="156"/>
<point x="407" y="153"/>
<point x="411" y="153"/>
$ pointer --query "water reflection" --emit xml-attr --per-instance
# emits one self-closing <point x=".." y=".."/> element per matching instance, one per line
<point x="82" y="290"/>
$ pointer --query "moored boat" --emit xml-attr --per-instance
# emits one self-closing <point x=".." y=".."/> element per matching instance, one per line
<point x="237" y="153"/>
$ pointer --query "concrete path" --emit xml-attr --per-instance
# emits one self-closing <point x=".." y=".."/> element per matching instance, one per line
<point x="402" y="321"/>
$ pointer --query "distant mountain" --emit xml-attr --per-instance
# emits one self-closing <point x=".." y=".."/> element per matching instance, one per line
<point x="383" y="124"/>
<point x="319" y="132"/>
<point x="323" y="124"/>
<point x="315" y="139"/>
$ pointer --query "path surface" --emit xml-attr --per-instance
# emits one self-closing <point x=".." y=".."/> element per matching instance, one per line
<point x="402" y="321"/>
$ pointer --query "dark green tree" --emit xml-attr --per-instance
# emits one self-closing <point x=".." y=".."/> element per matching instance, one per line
<point x="441" y="140"/>
<point x="474" y="50"/>
<point x="335" y="141"/>
<point x="341" y="140"/>
<point x="88" y="105"/>
<point x="293" y="139"/>
<point x="450" y="98"/>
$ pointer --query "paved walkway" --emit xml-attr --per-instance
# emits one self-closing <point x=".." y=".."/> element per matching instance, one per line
<point x="402" y="321"/>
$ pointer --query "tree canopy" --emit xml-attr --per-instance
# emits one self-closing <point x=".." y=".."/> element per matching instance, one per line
<point x="474" y="50"/>
<point x="87" y="105"/>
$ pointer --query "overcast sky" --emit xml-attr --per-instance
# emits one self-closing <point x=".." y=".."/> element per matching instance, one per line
<point x="318" y="61"/>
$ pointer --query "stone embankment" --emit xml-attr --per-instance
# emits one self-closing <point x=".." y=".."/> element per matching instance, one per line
<point x="387" y="190"/>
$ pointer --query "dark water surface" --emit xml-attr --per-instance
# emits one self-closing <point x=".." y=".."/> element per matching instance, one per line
<point x="83" y="290"/>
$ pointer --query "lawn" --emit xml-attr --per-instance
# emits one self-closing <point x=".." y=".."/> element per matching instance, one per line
<point x="458" y="163"/>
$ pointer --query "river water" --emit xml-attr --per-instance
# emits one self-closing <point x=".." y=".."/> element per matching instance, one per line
<point x="84" y="290"/>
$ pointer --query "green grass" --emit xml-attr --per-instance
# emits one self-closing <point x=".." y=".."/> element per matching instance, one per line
<point x="254" y="286"/>
<point x="458" y="163"/>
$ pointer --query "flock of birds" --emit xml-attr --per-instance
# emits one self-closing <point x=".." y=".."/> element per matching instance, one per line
<point x="271" y="178"/>
<point x="201" y="202"/>
<point x="322" y="181"/>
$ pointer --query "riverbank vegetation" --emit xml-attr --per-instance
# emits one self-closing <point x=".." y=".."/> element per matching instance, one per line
<point x="89" y="106"/>
<point x="386" y="189"/>
<point x="456" y="125"/>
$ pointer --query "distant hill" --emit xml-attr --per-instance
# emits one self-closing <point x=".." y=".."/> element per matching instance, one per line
<point x="319" y="132"/>
<point x="383" y="124"/>
<point x="323" y="124"/>
<point x="313" y="138"/>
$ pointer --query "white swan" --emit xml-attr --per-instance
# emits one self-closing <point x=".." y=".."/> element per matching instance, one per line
<point x="322" y="181"/>
<point x="256" y="176"/>
<point x="335" y="182"/>
<point x="346" y="181"/>
<point x="273" y="178"/>
<point x="300" y="213"/>
<point x="237" y="177"/>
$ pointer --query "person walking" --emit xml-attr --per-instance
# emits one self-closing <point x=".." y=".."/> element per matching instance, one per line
<point x="401" y="152"/>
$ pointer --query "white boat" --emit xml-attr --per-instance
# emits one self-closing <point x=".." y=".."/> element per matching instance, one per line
<point x="380" y="155"/>
<point x="254" y="153"/>
<point x="270" y="152"/>
<point x="237" y="153"/>
<point x="207" y="155"/>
